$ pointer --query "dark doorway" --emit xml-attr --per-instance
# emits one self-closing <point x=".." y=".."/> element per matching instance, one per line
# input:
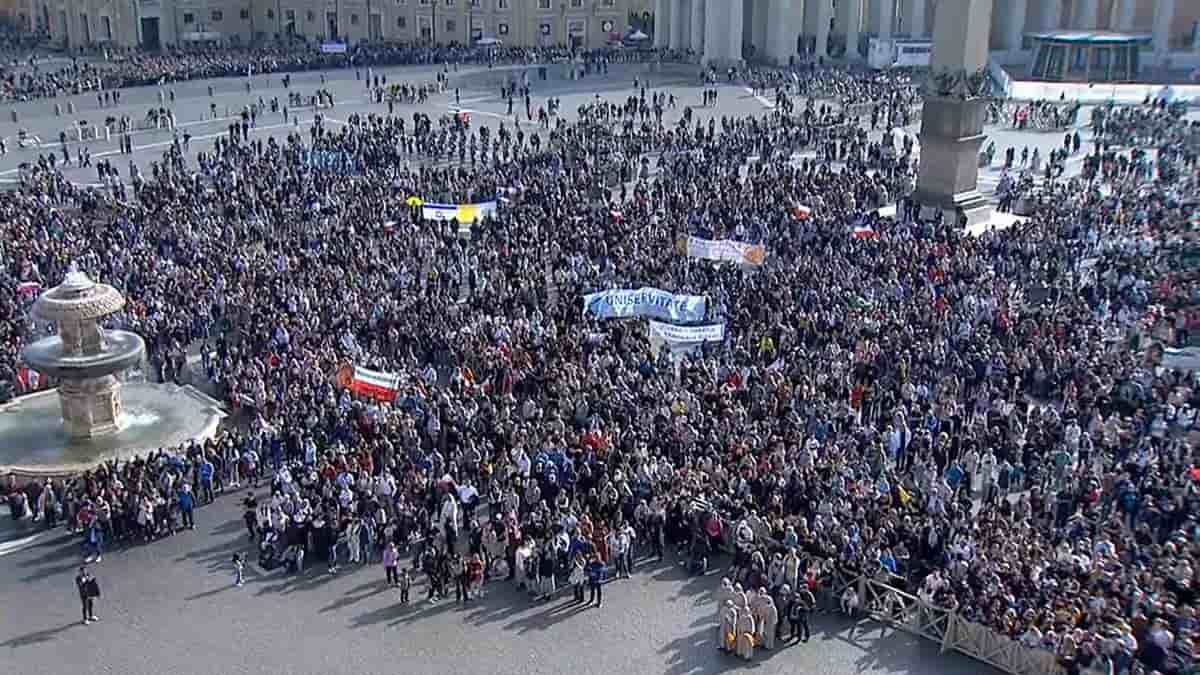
<point x="150" y="38"/>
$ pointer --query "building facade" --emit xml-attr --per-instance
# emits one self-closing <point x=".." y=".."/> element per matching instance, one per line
<point x="779" y="30"/>
<point x="150" y="23"/>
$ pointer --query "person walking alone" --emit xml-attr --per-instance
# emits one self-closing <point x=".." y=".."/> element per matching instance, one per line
<point x="89" y="590"/>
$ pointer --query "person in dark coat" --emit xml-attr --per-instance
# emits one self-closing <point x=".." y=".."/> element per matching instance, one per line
<point x="89" y="590"/>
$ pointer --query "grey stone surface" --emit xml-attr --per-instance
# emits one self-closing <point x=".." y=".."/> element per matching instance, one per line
<point x="170" y="607"/>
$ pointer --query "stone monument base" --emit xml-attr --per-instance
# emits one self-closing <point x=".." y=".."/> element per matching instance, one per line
<point x="973" y="204"/>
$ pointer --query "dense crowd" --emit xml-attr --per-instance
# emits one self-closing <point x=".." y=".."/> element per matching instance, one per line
<point x="136" y="68"/>
<point x="992" y="422"/>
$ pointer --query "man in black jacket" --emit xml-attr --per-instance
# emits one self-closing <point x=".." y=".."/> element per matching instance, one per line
<point x="89" y="590"/>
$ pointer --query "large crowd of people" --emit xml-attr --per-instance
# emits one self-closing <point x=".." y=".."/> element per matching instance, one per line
<point x="992" y="422"/>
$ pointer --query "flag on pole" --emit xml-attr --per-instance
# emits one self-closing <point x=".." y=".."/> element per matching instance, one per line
<point x="801" y="212"/>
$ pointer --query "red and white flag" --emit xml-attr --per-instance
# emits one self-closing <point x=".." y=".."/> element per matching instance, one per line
<point x="865" y="232"/>
<point x="370" y="383"/>
<point x="29" y="287"/>
<point x="801" y="212"/>
<point x="28" y="378"/>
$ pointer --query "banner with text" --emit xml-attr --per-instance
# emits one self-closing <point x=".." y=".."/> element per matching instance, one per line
<point x="463" y="213"/>
<point x="648" y="302"/>
<point x="687" y="335"/>
<point x="726" y="250"/>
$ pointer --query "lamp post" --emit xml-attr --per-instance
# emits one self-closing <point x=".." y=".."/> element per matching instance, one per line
<point x="433" y="23"/>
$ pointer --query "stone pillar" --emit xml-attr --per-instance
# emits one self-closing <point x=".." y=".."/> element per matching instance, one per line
<point x="1124" y="18"/>
<point x="914" y="19"/>
<point x="685" y="21"/>
<point x="662" y="23"/>
<point x="951" y="125"/>
<point x="1016" y="25"/>
<point x="1051" y="14"/>
<point x="824" y="14"/>
<point x="759" y="29"/>
<point x="850" y="21"/>
<point x="697" y="19"/>
<point x="885" y="17"/>
<point x="1164" y="13"/>
<point x="782" y="19"/>
<point x="737" y="16"/>
<point x="1086" y="15"/>
<point x="677" y="21"/>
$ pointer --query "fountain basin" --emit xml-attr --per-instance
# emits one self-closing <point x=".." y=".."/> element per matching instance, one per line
<point x="122" y="350"/>
<point x="34" y="442"/>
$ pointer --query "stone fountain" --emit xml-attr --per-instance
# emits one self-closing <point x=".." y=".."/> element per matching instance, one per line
<point x="96" y="417"/>
<point x="83" y="356"/>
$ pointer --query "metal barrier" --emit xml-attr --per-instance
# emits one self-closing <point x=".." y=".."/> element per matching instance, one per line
<point x="906" y="612"/>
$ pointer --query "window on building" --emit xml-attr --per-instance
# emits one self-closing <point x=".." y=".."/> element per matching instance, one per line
<point x="217" y="15"/>
<point x="451" y="25"/>
<point x="425" y="28"/>
<point x="401" y="23"/>
<point x="353" y="19"/>
<point x="502" y="29"/>
<point x="543" y="4"/>
<point x="270" y="14"/>
<point x="449" y="3"/>
<point x="609" y="3"/>
<point x="424" y="2"/>
<point x="576" y="4"/>
<point x="188" y="17"/>
<point x="502" y="5"/>
<point x="476" y="3"/>
<point x="311" y="16"/>
<point x="289" y="14"/>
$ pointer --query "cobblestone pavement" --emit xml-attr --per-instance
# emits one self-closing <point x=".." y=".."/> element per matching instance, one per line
<point x="170" y="606"/>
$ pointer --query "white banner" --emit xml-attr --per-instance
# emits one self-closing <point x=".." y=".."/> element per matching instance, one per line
<point x="725" y="249"/>
<point x="677" y="335"/>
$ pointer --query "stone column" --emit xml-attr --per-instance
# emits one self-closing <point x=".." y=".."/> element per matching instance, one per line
<point x="914" y="19"/>
<point x="885" y="17"/>
<point x="685" y="19"/>
<point x="1016" y="25"/>
<point x="850" y="21"/>
<point x="737" y="16"/>
<point x="1124" y="18"/>
<point x="662" y="23"/>
<point x="1086" y="15"/>
<point x="1051" y="14"/>
<point x="1164" y="13"/>
<point x="951" y="125"/>
<point x="782" y="19"/>
<point x="677" y="21"/>
<point x="824" y="14"/>
<point x="697" y="18"/>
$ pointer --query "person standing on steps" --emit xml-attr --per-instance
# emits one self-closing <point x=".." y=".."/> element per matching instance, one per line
<point x="89" y="590"/>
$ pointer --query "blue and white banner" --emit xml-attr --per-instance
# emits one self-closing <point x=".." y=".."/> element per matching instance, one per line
<point x="463" y="213"/>
<point x="687" y="335"/>
<point x="649" y="302"/>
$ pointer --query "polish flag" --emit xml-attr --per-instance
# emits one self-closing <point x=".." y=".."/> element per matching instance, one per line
<point x="801" y="212"/>
<point x="865" y="232"/>
<point x="28" y="287"/>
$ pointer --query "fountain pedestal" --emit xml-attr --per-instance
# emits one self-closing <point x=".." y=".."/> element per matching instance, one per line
<point x="91" y="406"/>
